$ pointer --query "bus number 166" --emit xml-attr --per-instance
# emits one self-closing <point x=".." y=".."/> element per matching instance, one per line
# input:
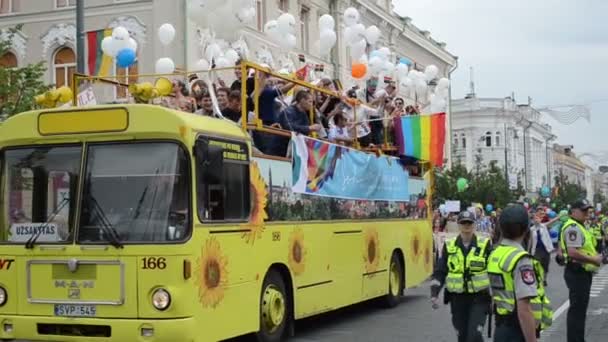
<point x="152" y="263"/>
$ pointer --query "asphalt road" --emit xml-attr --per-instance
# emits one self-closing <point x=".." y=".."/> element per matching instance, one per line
<point x="413" y="320"/>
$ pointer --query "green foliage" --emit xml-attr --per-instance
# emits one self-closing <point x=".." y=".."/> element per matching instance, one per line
<point x="487" y="185"/>
<point x="19" y="86"/>
<point x="566" y="192"/>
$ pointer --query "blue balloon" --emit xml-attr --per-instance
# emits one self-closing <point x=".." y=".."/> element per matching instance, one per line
<point x="374" y="54"/>
<point x="552" y="214"/>
<point x="545" y="191"/>
<point x="405" y="61"/>
<point x="489" y="207"/>
<point x="125" y="58"/>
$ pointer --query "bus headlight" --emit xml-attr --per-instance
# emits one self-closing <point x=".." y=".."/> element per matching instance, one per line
<point x="3" y="296"/>
<point x="161" y="299"/>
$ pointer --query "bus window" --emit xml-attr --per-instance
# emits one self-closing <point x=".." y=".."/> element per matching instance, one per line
<point x="223" y="180"/>
<point x="138" y="192"/>
<point x="40" y="187"/>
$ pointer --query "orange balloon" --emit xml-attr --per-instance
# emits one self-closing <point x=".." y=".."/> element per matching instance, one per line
<point x="358" y="70"/>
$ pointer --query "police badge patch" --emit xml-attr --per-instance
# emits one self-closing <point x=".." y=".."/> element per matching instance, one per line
<point x="527" y="275"/>
<point x="572" y="235"/>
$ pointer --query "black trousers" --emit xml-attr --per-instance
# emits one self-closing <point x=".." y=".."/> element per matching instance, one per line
<point x="579" y="286"/>
<point x="469" y="316"/>
<point x="508" y="333"/>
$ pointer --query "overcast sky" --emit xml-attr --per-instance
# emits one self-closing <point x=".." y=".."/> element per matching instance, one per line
<point x="555" y="51"/>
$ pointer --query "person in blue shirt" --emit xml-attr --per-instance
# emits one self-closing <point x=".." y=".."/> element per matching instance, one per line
<point x="296" y="119"/>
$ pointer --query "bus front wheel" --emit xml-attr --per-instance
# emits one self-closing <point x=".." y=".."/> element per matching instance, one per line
<point x="275" y="310"/>
<point x="395" y="282"/>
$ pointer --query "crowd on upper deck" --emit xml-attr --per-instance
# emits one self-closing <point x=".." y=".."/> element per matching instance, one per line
<point x="357" y="114"/>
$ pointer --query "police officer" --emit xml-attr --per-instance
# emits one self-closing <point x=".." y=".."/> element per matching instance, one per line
<point x="582" y="260"/>
<point x="462" y="268"/>
<point x="596" y="229"/>
<point x="516" y="278"/>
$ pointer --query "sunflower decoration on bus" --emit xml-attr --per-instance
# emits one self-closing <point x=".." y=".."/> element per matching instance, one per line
<point x="371" y="250"/>
<point x="212" y="274"/>
<point x="258" y="214"/>
<point x="415" y="244"/>
<point x="296" y="256"/>
<point x="427" y="253"/>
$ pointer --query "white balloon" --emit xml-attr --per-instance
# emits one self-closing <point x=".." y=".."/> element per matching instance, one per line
<point x="357" y="49"/>
<point x="358" y="32"/>
<point x="327" y="40"/>
<point x="132" y="44"/>
<point x="287" y="23"/>
<point x="375" y="65"/>
<point x="372" y="34"/>
<point x="442" y="93"/>
<point x="288" y="41"/>
<point x="421" y="88"/>
<point x="108" y="47"/>
<point x="380" y="92"/>
<point x="212" y="51"/>
<point x="413" y="74"/>
<point x="164" y="65"/>
<point x="198" y="11"/>
<point x="443" y="83"/>
<point x="120" y="33"/>
<point x="388" y="68"/>
<point x="384" y="53"/>
<point x="232" y="55"/>
<point x="402" y="70"/>
<point x="430" y="72"/>
<point x="406" y="82"/>
<point x="202" y="65"/>
<point x="224" y="21"/>
<point x="223" y="62"/>
<point x="245" y="15"/>
<point x="166" y="33"/>
<point x="326" y="22"/>
<point x="272" y="30"/>
<point x="349" y="35"/>
<point x="351" y="16"/>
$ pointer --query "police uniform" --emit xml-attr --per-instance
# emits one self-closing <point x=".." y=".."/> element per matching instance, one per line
<point x="578" y="276"/>
<point x="514" y="275"/>
<point x="596" y="229"/>
<point x="462" y="269"/>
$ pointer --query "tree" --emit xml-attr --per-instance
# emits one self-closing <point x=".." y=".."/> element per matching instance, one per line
<point x="19" y="85"/>
<point x="566" y="192"/>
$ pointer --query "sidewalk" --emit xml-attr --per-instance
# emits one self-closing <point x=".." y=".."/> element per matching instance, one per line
<point x="597" y="314"/>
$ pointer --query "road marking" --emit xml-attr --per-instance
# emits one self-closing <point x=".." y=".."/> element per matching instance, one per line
<point x="561" y="310"/>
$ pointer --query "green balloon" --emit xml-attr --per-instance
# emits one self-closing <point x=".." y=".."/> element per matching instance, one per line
<point x="462" y="184"/>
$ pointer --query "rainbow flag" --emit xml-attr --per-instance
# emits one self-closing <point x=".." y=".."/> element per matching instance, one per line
<point x="421" y="136"/>
<point x="98" y="64"/>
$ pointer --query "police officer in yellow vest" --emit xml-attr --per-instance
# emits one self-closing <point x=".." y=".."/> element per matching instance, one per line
<point x="582" y="260"/>
<point x="596" y="228"/>
<point x="516" y="278"/>
<point x="462" y="268"/>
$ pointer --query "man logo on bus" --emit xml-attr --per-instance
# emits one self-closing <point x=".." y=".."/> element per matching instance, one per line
<point x="73" y="265"/>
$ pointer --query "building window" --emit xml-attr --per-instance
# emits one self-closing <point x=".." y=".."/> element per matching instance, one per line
<point x="260" y="14"/>
<point x="304" y="19"/>
<point x="8" y="60"/>
<point x="463" y="140"/>
<point x="497" y="138"/>
<point x="65" y="3"/>
<point x="6" y="6"/>
<point x="455" y="140"/>
<point x="488" y="139"/>
<point x="64" y="66"/>
<point x="284" y="6"/>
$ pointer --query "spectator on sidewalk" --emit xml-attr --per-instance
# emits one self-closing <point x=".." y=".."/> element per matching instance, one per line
<point x="540" y="244"/>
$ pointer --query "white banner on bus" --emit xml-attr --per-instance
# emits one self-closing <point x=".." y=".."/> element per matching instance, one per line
<point x="87" y="97"/>
<point x="22" y="232"/>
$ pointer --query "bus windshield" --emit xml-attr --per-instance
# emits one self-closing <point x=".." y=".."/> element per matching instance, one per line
<point x="138" y="192"/>
<point x="40" y="187"/>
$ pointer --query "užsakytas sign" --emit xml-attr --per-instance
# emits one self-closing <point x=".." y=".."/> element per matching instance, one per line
<point x="330" y="170"/>
<point x="22" y="232"/>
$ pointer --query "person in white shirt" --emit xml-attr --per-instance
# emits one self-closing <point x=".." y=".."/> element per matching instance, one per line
<point x="540" y="244"/>
<point x="338" y="133"/>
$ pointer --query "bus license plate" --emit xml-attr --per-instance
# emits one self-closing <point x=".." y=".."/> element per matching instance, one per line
<point x="72" y="310"/>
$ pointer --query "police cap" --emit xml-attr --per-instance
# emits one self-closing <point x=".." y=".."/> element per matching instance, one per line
<point x="466" y="217"/>
<point x="514" y="214"/>
<point x="581" y="204"/>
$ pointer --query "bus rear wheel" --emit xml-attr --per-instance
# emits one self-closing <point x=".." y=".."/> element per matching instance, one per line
<point x="275" y="312"/>
<point x="395" y="282"/>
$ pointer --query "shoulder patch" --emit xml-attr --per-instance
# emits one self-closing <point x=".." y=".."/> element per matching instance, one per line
<point x="527" y="274"/>
<point x="572" y="235"/>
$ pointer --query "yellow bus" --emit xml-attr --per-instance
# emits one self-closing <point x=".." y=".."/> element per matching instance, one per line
<point x="136" y="222"/>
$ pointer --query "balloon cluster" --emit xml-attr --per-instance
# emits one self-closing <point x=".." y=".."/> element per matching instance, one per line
<point x="282" y="31"/>
<point x="223" y="17"/>
<point x="121" y="47"/>
<point x="54" y="97"/>
<point x="166" y="34"/>
<point x="145" y="91"/>
<point x="416" y="84"/>
<point x="327" y="35"/>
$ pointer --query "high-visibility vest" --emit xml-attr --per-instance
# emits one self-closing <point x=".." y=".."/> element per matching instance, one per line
<point x="501" y="265"/>
<point x="597" y="231"/>
<point x="467" y="274"/>
<point x="588" y="246"/>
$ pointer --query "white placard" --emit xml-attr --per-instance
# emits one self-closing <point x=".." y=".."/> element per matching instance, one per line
<point x="87" y="97"/>
<point x="452" y="206"/>
<point x="22" y="232"/>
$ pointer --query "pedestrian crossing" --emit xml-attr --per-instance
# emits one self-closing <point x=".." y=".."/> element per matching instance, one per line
<point x="600" y="282"/>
